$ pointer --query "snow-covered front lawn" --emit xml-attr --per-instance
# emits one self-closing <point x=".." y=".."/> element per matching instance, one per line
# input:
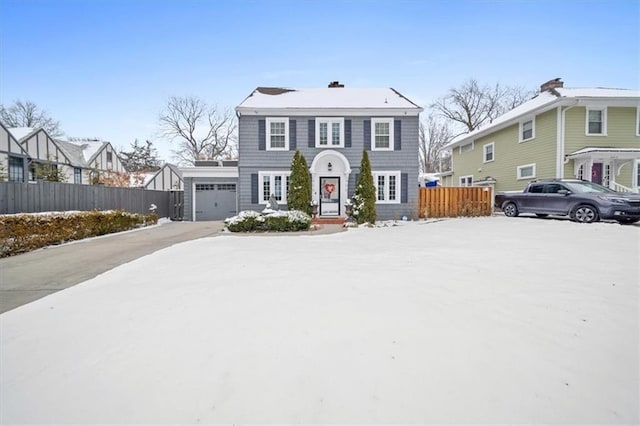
<point x="485" y="320"/>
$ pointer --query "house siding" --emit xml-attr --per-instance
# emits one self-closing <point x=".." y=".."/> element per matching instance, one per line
<point x="509" y="153"/>
<point x="253" y="160"/>
<point x="621" y="133"/>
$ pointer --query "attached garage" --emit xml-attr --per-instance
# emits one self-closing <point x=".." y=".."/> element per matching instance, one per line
<point x="215" y="201"/>
<point x="210" y="190"/>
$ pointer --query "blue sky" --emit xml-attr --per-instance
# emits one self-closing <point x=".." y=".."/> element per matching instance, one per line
<point x="106" y="67"/>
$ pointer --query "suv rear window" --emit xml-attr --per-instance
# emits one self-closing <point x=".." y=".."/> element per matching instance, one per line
<point x="536" y="188"/>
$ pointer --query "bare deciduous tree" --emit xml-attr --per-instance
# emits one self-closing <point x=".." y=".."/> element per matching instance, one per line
<point x="28" y="114"/>
<point x="200" y="131"/>
<point x="434" y="134"/>
<point x="472" y="105"/>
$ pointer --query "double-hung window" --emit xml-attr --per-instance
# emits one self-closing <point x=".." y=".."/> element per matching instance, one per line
<point x="596" y="122"/>
<point x="387" y="187"/>
<point x="382" y="134"/>
<point x="527" y="130"/>
<point x="329" y="132"/>
<point x="488" y="152"/>
<point x="273" y="183"/>
<point x="16" y="169"/>
<point x="277" y="134"/>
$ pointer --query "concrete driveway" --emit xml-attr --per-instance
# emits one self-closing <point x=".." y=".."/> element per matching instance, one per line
<point x="31" y="276"/>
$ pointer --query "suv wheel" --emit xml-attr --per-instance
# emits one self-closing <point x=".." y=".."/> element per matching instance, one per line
<point x="510" y="210"/>
<point x="585" y="214"/>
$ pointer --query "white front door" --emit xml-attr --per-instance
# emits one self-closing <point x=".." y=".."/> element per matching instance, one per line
<point x="329" y="196"/>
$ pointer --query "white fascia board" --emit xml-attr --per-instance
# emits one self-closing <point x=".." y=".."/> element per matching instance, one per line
<point x="329" y="112"/>
<point x="514" y="120"/>
<point x="209" y="172"/>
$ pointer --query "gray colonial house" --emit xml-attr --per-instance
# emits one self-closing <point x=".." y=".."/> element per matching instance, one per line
<point x="331" y="127"/>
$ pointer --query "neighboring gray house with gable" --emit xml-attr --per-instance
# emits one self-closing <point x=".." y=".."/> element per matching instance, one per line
<point x="331" y="127"/>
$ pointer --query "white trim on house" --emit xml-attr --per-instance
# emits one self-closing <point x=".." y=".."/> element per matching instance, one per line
<point x="466" y="180"/>
<point x="275" y="120"/>
<point x="281" y="197"/>
<point x="603" y="118"/>
<point x="521" y="131"/>
<point x="485" y="148"/>
<point x="636" y="175"/>
<point x="205" y="172"/>
<point x="519" y="169"/>
<point x="390" y="194"/>
<point x="379" y="120"/>
<point x="330" y="121"/>
<point x="638" y="121"/>
<point x="319" y="112"/>
<point x="467" y="147"/>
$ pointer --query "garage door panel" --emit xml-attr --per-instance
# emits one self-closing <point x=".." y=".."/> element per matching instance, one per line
<point x="215" y="201"/>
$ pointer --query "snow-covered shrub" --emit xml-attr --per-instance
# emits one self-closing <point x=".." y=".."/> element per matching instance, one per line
<point x="29" y="231"/>
<point x="364" y="196"/>
<point x="278" y="221"/>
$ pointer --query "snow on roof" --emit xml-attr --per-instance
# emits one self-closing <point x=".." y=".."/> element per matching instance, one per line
<point x="73" y="152"/>
<point x="20" y="132"/>
<point x="274" y="97"/>
<point x="546" y="100"/>
<point x="89" y="147"/>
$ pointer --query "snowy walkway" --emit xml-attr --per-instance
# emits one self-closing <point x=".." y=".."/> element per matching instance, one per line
<point x="490" y="320"/>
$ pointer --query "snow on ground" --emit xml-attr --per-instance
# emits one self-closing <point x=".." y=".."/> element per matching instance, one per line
<point x="487" y="320"/>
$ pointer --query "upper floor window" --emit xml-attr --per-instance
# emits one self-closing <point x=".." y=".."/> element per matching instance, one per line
<point x="527" y="130"/>
<point x="273" y="183"/>
<point x="526" y="171"/>
<point x="329" y="132"/>
<point x="109" y="157"/>
<point x="382" y="134"/>
<point x="278" y="134"/>
<point x="466" y="180"/>
<point x="596" y="121"/>
<point x="466" y="147"/>
<point x="488" y="152"/>
<point x="387" y="187"/>
<point x="16" y="169"/>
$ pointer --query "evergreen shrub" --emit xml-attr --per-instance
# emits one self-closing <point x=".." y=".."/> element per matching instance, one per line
<point x="279" y="221"/>
<point x="364" y="196"/>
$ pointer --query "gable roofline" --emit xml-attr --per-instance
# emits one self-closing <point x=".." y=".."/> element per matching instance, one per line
<point x="64" y="152"/>
<point x="548" y="100"/>
<point x="23" y="152"/>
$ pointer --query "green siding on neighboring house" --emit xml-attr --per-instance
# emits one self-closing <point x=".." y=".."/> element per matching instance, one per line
<point x="621" y="133"/>
<point x="509" y="153"/>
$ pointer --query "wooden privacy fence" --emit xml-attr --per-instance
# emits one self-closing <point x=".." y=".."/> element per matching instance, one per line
<point x="43" y="196"/>
<point x="453" y="201"/>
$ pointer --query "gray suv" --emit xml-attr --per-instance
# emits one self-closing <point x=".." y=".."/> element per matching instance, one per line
<point x="582" y="201"/>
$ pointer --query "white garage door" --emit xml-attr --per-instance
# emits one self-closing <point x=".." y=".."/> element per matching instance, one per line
<point x="215" y="201"/>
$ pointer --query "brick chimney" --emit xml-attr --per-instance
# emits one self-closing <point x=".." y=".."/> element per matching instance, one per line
<point x="551" y="84"/>
<point x="334" y="84"/>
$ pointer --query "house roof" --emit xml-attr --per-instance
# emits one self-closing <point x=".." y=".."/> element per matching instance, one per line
<point x="74" y="152"/>
<point x="545" y="101"/>
<point x="326" y="98"/>
<point x="21" y="132"/>
<point x="89" y="147"/>
<point x="608" y="152"/>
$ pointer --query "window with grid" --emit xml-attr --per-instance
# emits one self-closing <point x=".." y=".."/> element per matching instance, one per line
<point x="278" y="134"/>
<point x="596" y="121"/>
<point x="16" y="169"/>
<point x="526" y="130"/>
<point x="330" y="132"/>
<point x="77" y="175"/>
<point x="273" y="183"/>
<point x="466" y="180"/>
<point x="382" y="134"/>
<point x="387" y="186"/>
<point x="488" y="151"/>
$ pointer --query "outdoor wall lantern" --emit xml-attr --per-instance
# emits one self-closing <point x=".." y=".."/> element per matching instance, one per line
<point x="329" y="166"/>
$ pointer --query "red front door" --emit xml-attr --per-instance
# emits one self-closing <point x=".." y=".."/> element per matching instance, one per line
<point x="596" y="173"/>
